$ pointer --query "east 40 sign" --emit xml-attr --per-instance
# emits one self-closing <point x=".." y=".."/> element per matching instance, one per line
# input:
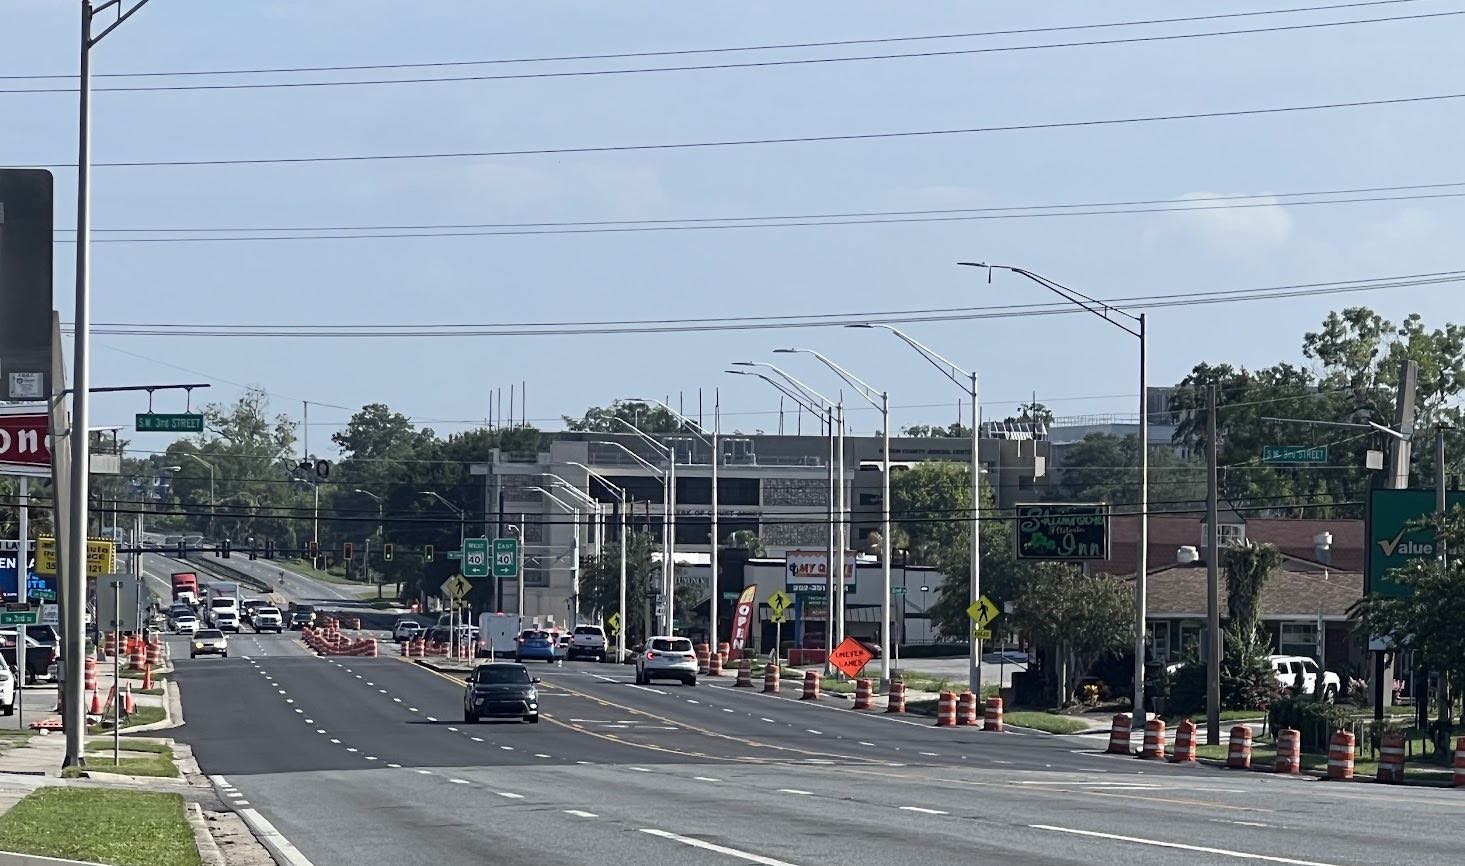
<point x="1062" y="532"/>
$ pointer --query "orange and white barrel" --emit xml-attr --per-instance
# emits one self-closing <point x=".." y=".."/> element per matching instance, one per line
<point x="946" y="710"/>
<point x="992" y="718"/>
<point x="1289" y="752"/>
<point x="966" y="709"/>
<point x="702" y="653"/>
<point x="745" y="674"/>
<point x="1154" y="742"/>
<point x="1391" y="758"/>
<point x="90" y="678"/>
<point x="1184" y="743"/>
<point x="770" y="679"/>
<point x="897" y="697"/>
<point x="811" y="686"/>
<point x="137" y="657"/>
<point x="863" y="694"/>
<point x="1238" y="753"/>
<point x="1119" y="735"/>
<point x="1340" y="757"/>
<point x="109" y="646"/>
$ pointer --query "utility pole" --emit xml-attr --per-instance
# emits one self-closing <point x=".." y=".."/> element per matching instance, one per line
<point x="1440" y="509"/>
<point x="1213" y="578"/>
<point x="22" y="581"/>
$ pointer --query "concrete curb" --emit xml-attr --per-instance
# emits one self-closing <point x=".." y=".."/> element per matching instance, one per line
<point x="208" y="849"/>
<point x="172" y="712"/>
<point x="8" y="858"/>
<point x="280" y="848"/>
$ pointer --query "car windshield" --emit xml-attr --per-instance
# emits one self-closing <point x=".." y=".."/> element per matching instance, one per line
<point x="501" y="675"/>
<point x="266" y="611"/>
<point x="671" y="645"/>
<point x="536" y="635"/>
<point x="188" y="617"/>
<point x="208" y="633"/>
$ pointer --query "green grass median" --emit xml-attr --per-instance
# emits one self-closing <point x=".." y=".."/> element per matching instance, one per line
<point x="1049" y="722"/>
<point x="136" y="758"/>
<point x="145" y="715"/>
<point x="126" y="828"/>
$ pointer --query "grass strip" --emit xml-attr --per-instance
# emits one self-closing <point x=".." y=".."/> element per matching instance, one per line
<point x="1050" y="722"/>
<point x="126" y="828"/>
<point x="145" y="715"/>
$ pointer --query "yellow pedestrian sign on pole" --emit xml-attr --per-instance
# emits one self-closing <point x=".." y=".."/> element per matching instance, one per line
<point x="983" y="612"/>
<point x="614" y="621"/>
<point x="779" y="602"/>
<point x="457" y="587"/>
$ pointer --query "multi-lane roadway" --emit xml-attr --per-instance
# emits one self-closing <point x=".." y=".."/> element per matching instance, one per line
<point x="367" y="761"/>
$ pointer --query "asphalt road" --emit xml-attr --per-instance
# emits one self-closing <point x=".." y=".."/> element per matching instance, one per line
<point x="367" y="761"/>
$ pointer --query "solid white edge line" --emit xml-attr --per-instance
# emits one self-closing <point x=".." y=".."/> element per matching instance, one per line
<point x="1240" y="855"/>
<point x="279" y="847"/>
<point x="922" y="809"/>
<point x="720" y="849"/>
<point x="581" y="814"/>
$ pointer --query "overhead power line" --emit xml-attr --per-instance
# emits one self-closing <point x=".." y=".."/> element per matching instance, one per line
<point x="724" y="50"/>
<point x="799" y="139"/>
<point x="760" y="323"/>
<point x="734" y="65"/>
<point x="471" y="230"/>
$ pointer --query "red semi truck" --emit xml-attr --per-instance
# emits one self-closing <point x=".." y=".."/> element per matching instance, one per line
<point x="185" y="587"/>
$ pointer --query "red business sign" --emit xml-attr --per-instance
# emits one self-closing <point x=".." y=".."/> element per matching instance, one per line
<point x="743" y="617"/>
<point x="23" y="441"/>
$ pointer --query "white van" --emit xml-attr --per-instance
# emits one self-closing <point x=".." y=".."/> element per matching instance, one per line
<point x="223" y="604"/>
<point x="499" y="633"/>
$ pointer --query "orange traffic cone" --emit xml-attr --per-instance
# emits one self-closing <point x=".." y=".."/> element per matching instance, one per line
<point x="147" y="678"/>
<point x="129" y="706"/>
<point x="96" y="709"/>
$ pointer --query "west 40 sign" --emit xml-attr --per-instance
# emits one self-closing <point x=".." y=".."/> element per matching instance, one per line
<point x="1392" y="543"/>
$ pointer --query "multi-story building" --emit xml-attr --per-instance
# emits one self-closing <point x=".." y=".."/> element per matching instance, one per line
<point x="775" y="486"/>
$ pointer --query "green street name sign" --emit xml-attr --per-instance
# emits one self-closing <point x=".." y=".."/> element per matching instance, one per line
<point x="185" y="422"/>
<point x="1390" y="543"/>
<point x="1294" y="454"/>
<point x="20" y="614"/>
<point x="475" y="557"/>
<point x="505" y="557"/>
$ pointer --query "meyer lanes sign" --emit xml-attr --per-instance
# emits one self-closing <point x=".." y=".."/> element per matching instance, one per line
<point x="851" y="656"/>
<point x="24" y="449"/>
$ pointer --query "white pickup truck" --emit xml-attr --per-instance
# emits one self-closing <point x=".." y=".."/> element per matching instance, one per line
<point x="1313" y="678"/>
<point x="586" y="641"/>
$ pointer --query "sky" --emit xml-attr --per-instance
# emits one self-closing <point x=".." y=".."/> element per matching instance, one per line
<point x="1076" y="364"/>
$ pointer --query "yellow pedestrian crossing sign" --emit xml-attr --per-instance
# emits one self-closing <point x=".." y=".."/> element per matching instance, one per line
<point x="779" y="604"/>
<point x="614" y="622"/>
<point x="982" y="611"/>
<point x="457" y="587"/>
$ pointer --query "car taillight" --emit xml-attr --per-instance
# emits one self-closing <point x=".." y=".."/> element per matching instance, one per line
<point x="650" y="654"/>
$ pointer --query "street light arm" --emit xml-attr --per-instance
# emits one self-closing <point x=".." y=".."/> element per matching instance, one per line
<point x="572" y="490"/>
<point x="439" y="498"/>
<point x="863" y="388"/>
<point x="696" y="429"/>
<point x="634" y="456"/>
<point x="122" y="15"/>
<point x="945" y="367"/>
<point x="557" y="501"/>
<point x="620" y="492"/>
<point x="810" y="395"/>
<point x="803" y="401"/>
<point x="1073" y="296"/>
<point x="664" y="451"/>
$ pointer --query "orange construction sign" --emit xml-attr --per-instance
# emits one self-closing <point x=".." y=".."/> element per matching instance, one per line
<point x="851" y="656"/>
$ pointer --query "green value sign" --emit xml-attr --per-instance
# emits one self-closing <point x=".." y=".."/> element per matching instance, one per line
<point x="1294" y="454"/>
<point x="475" y="557"/>
<point x="1391" y="543"/>
<point x="505" y="557"/>
<point x="184" y="422"/>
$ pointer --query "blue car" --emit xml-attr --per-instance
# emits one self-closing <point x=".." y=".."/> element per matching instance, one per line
<point x="535" y="646"/>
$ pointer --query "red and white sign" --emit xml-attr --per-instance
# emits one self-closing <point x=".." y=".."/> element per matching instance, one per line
<point x="743" y="617"/>
<point x="24" y="448"/>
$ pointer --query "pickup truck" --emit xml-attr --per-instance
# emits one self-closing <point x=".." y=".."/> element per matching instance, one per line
<point x="1293" y="671"/>
<point x="39" y="655"/>
<point x="586" y="641"/>
<point x="268" y="619"/>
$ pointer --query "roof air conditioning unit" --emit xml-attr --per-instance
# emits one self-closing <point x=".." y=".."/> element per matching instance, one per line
<point x="1187" y="555"/>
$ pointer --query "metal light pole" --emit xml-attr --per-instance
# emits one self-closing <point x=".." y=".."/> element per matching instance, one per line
<point x="590" y="501"/>
<point x="967" y="381"/>
<point x="1135" y="327"/>
<point x="869" y="394"/>
<point x="668" y="479"/>
<point x="575" y="569"/>
<point x="74" y="584"/>
<point x="716" y="541"/>
<point x="453" y="615"/>
<point x="625" y="523"/>
<point x="669" y="522"/>
<point x="381" y="518"/>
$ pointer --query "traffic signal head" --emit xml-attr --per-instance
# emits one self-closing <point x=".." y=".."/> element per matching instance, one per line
<point x="427" y="553"/>
<point x="313" y="548"/>
<point x="386" y="553"/>
<point x="346" y="550"/>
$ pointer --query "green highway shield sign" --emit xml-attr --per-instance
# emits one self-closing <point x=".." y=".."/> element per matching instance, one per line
<point x="475" y="557"/>
<point x="505" y="557"/>
<point x="1390" y="544"/>
<point x="179" y="422"/>
<point x="1294" y="454"/>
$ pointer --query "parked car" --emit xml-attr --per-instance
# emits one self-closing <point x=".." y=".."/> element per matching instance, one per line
<point x="586" y="641"/>
<point x="535" y="646"/>
<point x="1292" y="670"/>
<point x="667" y="658"/>
<point x="500" y="690"/>
<point x="7" y="689"/>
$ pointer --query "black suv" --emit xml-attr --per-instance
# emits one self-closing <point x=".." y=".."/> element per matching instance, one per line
<point x="500" y="690"/>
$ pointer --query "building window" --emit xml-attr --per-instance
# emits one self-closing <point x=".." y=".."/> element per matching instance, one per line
<point x="1226" y="533"/>
<point x="1160" y="641"/>
<point x="1298" y="639"/>
<point x="1189" y="635"/>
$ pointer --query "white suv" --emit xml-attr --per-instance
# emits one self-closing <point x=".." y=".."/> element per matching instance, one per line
<point x="7" y="689"/>
<point x="667" y="658"/>
<point x="586" y="641"/>
<point x="226" y="620"/>
<point x="1295" y="670"/>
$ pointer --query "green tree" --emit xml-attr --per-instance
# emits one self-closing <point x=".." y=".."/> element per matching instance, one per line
<point x="1247" y="679"/>
<point x="600" y="583"/>
<point x="1078" y="619"/>
<point x="748" y="540"/>
<point x="952" y="431"/>
<point x="1105" y="468"/>
<point x="647" y="417"/>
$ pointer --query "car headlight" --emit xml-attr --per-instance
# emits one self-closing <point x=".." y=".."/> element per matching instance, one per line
<point x="198" y="644"/>
<point x="534" y="694"/>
